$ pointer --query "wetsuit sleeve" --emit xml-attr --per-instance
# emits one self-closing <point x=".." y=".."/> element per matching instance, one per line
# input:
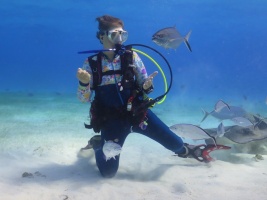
<point x="140" y="69"/>
<point x="83" y="92"/>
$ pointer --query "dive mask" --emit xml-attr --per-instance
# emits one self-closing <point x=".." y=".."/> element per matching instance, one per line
<point x="117" y="36"/>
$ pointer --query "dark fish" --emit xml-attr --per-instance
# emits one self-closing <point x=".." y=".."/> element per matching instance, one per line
<point x="170" y="38"/>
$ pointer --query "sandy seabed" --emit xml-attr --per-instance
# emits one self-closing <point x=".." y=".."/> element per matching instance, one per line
<point x="40" y="141"/>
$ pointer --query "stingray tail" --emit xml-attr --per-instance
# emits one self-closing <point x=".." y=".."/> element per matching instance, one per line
<point x="186" y="38"/>
<point x="206" y="114"/>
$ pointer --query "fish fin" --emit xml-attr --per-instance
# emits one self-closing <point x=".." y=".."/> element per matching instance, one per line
<point x="188" y="45"/>
<point x="206" y="114"/>
<point x="227" y="106"/>
<point x="220" y="130"/>
<point x="187" y="35"/>
<point x="224" y="105"/>
<point x="186" y="38"/>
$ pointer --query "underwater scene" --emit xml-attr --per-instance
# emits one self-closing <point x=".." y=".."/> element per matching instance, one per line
<point x="207" y="62"/>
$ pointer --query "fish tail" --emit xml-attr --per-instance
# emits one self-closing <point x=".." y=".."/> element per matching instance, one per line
<point x="206" y="114"/>
<point x="187" y="35"/>
<point x="186" y="38"/>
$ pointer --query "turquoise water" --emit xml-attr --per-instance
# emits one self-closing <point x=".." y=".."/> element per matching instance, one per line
<point x="41" y="120"/>
<point x="40" y="41"/>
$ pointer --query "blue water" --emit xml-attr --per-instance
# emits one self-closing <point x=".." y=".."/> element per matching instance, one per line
<point x="40" y="41"/>
<point x="41" y="120"/>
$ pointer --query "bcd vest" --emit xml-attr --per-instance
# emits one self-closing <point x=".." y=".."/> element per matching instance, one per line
<point x="126" y="70"/>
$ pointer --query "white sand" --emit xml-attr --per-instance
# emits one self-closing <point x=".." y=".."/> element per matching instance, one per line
<point x="42" y="135"/>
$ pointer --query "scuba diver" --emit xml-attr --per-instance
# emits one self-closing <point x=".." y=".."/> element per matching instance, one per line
<point x="117" y="85"/>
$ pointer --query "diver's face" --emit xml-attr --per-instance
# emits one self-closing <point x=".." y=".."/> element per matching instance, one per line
<point x="115" y="35"/>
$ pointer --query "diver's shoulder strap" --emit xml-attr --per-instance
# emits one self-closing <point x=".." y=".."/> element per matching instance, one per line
<point x="127" y="58"/>
<point x="127" y="68"/>
<point x="96" y="67"/>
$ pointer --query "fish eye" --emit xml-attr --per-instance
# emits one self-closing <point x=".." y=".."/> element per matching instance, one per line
<point x="160" y="35"/>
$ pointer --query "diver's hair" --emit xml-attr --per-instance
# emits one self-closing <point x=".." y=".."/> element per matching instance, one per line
<point x="106" y="22"/>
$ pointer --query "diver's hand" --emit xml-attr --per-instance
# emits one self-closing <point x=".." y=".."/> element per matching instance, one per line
<point x="149" y="81"/>
<point x="83" y="76"/>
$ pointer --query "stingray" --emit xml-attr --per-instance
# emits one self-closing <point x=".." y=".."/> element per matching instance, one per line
<point x="242" y="135"/>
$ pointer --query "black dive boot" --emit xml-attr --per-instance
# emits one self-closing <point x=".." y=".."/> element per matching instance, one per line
<point x="94" y="142"/>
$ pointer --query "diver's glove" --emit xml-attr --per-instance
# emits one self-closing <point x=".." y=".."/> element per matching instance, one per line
<point x="201" y="152"/>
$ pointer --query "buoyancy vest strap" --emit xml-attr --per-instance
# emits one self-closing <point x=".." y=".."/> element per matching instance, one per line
<point x="112" y="72"/>
<point x="127" y="69"/>
<point x="96" y="66"/>
<point x="126" y="59"/>
<point x="95" y="63"/>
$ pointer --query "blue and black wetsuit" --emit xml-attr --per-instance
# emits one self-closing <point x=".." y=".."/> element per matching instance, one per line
<point x="112" y="100"/>
<point x="117" y="128"/>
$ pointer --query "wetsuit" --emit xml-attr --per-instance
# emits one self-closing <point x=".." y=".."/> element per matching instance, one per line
<point x="117" y="128"/>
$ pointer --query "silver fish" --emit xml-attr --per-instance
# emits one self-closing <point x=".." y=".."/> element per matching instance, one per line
<point x="170" y="38"/>
<point x="225" y="112"/>
<point x="111" y="149"/>
<point x="191" y="131"/>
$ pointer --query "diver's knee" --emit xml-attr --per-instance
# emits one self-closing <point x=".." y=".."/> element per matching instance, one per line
<point x="109" y="173"/>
